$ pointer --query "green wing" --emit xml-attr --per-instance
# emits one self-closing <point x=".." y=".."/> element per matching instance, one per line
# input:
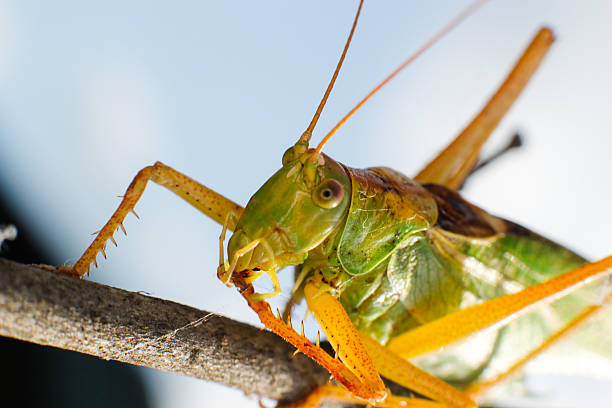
<point x="428" y="284"/>
<point x="506" y="264"/>
<point x="386" y="206"/>
<point x="492" y="265"/>
<point x="468" y="257"/>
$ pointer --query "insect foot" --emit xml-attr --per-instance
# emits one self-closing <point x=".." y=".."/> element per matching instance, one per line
<point x="69" y="270"/>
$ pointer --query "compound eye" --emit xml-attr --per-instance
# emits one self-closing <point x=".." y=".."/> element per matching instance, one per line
<point x="328" y="194"/>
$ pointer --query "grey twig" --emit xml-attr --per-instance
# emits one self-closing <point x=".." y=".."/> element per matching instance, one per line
<point x="55" y="310"/>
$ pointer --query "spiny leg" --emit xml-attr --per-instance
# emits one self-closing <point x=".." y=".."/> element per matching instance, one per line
<point x="335" y="393"/>
<point x="401" y="371"/>
<point x="366" y="359"/>
<point x="338" y="370"/>
<point x="589" y="314"/>
<point x="454" y="164"/>
<point x="458" y="325"/>
<point x="344" y="338"/>
<point x="204" y="199"/>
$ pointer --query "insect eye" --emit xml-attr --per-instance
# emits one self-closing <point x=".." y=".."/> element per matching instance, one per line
<point x="328" y="194"/>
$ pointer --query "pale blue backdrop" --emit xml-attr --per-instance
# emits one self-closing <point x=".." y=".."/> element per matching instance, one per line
<point x="92" y="92"/>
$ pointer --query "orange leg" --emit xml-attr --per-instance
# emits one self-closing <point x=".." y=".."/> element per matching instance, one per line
<point x="335" y="393"/>
<point x="362" y="359"/>
<point x="345" y="339"/>
<point x="391" y="361"/>
<point x="573" y="326"/>
<point x="458" y="325"/>
<point x="204" y="199"/>
<point x="404" y="373"/>
<point x="452" y="166"/>
<point x="338" y="370"/>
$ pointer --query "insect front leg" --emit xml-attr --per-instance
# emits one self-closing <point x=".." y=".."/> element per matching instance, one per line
<point x="275" y="323"/>
<point x="201" y="197"/>
<point x="367" y="360"/>
<point x="345" y="339"/>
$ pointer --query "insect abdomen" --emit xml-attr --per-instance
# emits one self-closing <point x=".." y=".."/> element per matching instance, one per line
<point x="439" y="270"/>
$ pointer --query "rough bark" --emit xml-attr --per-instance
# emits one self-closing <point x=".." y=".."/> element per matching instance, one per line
<point x="55" y="310"/>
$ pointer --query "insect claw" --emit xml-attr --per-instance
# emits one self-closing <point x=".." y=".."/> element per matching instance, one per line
<point x="295" y="353"/>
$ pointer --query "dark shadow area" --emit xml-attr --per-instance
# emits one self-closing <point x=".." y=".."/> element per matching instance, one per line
<point x="39" y="376"/>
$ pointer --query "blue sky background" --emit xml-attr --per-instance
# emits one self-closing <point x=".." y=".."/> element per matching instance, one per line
<point x="92" y="92"/>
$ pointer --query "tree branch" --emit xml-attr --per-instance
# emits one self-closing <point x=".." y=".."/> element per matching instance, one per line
<point x="55" y="310"/>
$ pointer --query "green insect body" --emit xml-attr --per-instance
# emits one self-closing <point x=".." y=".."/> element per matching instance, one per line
<point x="398" y="254"/>
<point x="396" y="271"/>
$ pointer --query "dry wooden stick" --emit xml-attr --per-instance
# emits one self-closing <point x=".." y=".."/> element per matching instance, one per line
<point x="55" y="310"/>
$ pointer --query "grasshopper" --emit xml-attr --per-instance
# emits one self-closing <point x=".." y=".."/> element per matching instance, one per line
<point x="340" y="246"/>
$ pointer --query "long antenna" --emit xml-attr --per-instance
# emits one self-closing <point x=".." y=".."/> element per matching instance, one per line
<point x="445" y="30"/>
<point x="308" y="132"/>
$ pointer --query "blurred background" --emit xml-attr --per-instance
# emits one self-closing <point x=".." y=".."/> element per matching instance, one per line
<point x="91" y="93"/>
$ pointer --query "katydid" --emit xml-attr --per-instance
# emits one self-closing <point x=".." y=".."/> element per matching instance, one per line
<point x="391" y="267"/>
